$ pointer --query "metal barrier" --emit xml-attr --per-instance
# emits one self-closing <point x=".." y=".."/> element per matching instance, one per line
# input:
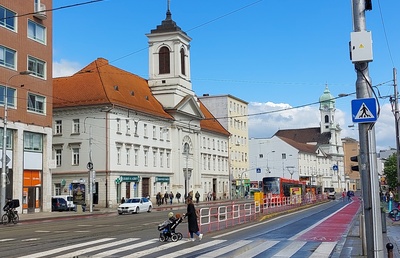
<point x="221" y="217"/>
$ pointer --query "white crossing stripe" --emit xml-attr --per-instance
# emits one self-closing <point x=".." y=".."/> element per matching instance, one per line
<point x="257" y="249"/>
<point x="7" y="239"/>
<point x="194" y="248"/>
<point x="125" y="248"/>
<point x="66" y="248"/>
<point x="97" y="247"/>
<point x="323" y="250"/>
<point x="225" y="249"/>
<point x="291" y="249"/>
<point x="155" y="249"/>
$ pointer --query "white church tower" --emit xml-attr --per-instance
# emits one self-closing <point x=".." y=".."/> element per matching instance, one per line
<point x="169" y="63"/>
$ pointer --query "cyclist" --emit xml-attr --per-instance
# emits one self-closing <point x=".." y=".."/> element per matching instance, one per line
<point x="8" y="208"/>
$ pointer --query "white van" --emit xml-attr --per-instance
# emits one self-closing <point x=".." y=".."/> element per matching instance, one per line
<point x="68" y="199"/>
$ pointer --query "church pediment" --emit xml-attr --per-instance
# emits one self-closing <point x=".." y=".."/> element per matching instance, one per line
<point x="189" y="107"/>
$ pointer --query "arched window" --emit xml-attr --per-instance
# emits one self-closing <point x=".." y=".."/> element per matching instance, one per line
<point x="183" y="61"/>
<point x="326" y="119"/>
<point x="163" y="60"/>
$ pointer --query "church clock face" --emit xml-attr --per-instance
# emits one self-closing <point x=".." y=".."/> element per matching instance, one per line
<point x="325" y="107"/>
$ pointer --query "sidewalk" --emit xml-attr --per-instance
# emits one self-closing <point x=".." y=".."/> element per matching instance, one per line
<point x="352" y="245"/>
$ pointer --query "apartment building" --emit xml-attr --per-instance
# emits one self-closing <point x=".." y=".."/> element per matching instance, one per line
<point x="26" y="80"/>
<point x="232" y="113"/>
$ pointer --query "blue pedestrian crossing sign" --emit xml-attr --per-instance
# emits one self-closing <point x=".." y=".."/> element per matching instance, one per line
<point x="363" y="110"/>
<point x="258" y="170"/>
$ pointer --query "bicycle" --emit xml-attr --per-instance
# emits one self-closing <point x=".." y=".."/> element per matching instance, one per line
<point x="11" y="216"/>
<point x="394" y="215"/>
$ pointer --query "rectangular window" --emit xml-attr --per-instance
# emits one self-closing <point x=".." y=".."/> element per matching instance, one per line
<point x="154" y="158"/>
<point x="57" y="189"/>
<point x="10" y="96"/>
<point x="161" y="159"/>
<point x="33" y="141"/>
<point x="118" y="125"/>
<point x="36" y="32"/>
<point x="36" y="103"/>
<point x="146" y="158"/>
<point x="37" y="67"/>
<point x="75" y="126"/>
<point x="8" y="140"/>
<point x="58" y="127"/>
<point x="136" y="157"/>
<point x="128" y="156"/>
<point x="128" y="127"/>
<point x="145" y="130"/>
<point x="7" y="57"/>
<point x="58" y="157"/>
<point x="119" y="155"/>
<point x="7" y="18"/>
<point x="168" y="159"/>
<point x="154" y="132"/>
<point x="75" y="156"/>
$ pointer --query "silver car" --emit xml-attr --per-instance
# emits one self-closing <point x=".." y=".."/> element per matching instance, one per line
<point x="135" y="205"/>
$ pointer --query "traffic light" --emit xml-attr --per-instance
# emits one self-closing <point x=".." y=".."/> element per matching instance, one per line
<point x="354" y="159"/>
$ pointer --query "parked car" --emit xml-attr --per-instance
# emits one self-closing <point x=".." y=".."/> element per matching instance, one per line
<point x="69" y="199"/>
<point x="135" y="205"/>
<point x="330" y="191"/>
<point x="58" y="204"/>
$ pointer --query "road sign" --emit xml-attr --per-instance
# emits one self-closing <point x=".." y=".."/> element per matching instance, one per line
<point x="7" y="160"/>
<point x="89" y="165"/>
<point x="363" y="110"/>
<point x="258" y="170"/>
<point x="335" y="167"/>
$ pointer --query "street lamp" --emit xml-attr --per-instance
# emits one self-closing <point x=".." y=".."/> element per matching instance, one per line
<point x="4" y="156"/>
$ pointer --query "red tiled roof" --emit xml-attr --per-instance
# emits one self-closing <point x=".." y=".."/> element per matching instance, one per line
<point x="305" y="135"/>
<point x="101" y="83"/>
<point x="303" y="147"/>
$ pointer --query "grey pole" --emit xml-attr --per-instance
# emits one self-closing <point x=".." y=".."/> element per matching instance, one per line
<point x="396" y="117"/>
<point x="374" y="242"/>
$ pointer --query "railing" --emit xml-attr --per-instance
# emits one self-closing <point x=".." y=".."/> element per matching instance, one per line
<point x="221" y="217"/>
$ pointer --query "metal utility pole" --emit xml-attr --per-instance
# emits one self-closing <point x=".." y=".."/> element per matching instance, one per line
<point x="361" y="55"/>
<point x="396" y="118"/>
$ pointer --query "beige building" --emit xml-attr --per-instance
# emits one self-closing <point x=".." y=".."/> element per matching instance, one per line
<point x="232" y="113"/>
<point x="351" y="148"/>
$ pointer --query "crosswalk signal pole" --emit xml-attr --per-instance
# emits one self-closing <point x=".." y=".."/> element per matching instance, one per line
<point x="361" y="55"/>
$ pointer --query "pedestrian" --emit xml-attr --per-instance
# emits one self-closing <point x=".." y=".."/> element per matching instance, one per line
<point x="158" y="198"/>
<point x="122" y="200"/>
<point x="191" y="215"/>
<point x="197" y="195"/>
<point x="344" y="195"/>
<point x="178" y="196"/>
<point x="166" y="197"/>
<point x="171" y="197"/>
<point x="348" y="195"/>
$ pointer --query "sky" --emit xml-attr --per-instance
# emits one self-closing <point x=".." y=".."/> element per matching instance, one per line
<point x="277" y="55"/>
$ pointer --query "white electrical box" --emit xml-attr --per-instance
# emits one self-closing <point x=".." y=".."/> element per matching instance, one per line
<point x="361" y="46"/>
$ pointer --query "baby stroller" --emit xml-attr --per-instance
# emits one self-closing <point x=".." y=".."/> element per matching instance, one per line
<point x="167" y="228"/>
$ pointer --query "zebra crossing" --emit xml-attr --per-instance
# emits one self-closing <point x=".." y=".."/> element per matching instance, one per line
<point x="135" y="247"/>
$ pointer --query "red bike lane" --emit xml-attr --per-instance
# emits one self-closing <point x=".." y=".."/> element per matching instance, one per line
<point x="334" y="226"/>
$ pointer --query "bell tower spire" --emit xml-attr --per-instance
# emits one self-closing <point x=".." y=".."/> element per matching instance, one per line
<point x="169" y="62"/>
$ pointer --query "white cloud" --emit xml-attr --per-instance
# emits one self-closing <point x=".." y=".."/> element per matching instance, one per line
<point x="65" y="68"/>
<point x="272" y="119"/>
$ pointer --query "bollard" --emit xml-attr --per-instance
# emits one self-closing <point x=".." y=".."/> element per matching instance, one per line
<point x="383" y="220"/>
<point x="389" y="247"/>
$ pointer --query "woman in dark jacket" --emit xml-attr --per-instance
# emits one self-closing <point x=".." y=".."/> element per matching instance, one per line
<point x="192" y="220"/>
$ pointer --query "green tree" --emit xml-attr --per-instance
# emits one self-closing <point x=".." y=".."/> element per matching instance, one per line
<point x="390" y="171"/>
